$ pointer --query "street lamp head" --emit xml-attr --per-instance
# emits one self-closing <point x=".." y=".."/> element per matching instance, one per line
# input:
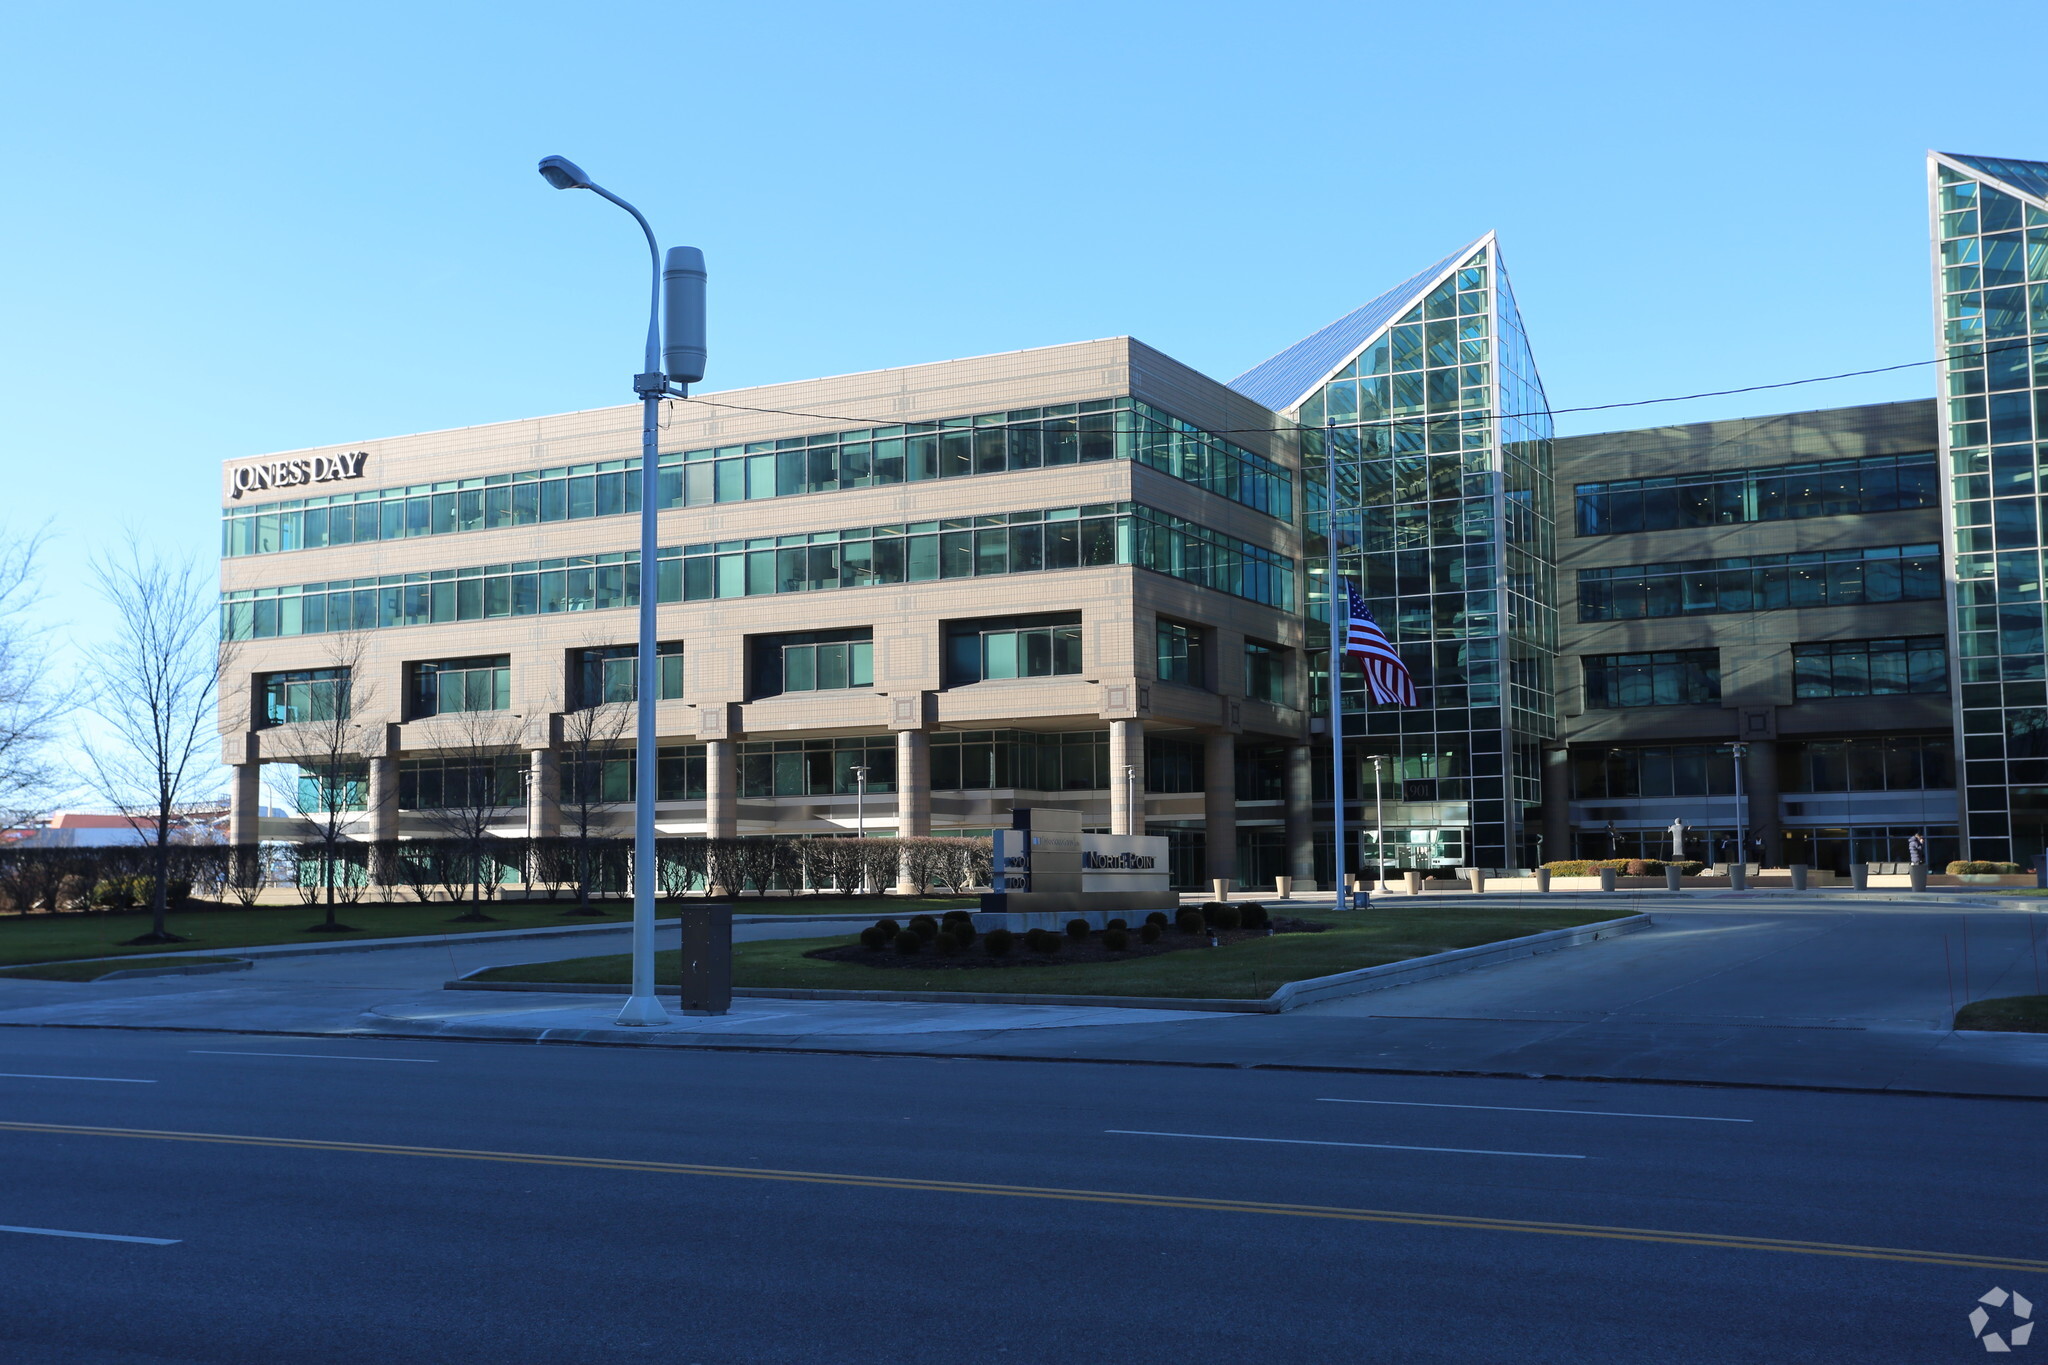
<point x="563" y="173"/>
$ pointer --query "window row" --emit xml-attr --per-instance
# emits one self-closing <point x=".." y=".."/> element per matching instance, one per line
<point x="1899" y="666"/>
<point x="1100" y="535"/>
<point x="1871" y="668"/>
<point x="1887" y="763"/>
<point x="990" y="443"/>
<point x="1182" y="655"/>
<point x="1907" y="573"/>
<point x="1829" y="488"/>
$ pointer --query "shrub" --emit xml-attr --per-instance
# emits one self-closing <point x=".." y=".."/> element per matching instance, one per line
<point x="113" y="893"/>
<point x="946" y="945"/>
<point x="1590" y="867"/>
<point x="1077" y="929"/>
<point x="925" y="927"/>
<point x="1225" y="919"/>
<point x="889" y="926"/>
<point x="1254" y="915"/>
<point x="1979" y="867"/>
<point x="1150" y="932"/>
<point x="909" y="944"/>
<point x="1116" y="940"/>
<point x="1042" y="941"/>
<point x="963" y="930"/>
<point x="1189" y="922"/>
<point x="1211" y="908"/>
<point x="954" y="917"/>
<point x="873" y="939"/>
<point x="1116" y="924"/>
<point x="998" y="942"/>
<point x="1159" y="918"/>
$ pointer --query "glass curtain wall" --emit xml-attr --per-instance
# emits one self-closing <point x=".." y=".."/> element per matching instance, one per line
<point x="1441" y="438"/>
<point x="1990" y="227"/>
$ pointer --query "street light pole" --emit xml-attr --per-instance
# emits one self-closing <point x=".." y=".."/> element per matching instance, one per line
<point x="669" y="371"/>
<point x="1741" y="752"/>
<point x="1379" y="826"/>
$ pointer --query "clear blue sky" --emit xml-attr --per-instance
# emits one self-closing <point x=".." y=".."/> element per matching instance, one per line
<point x="238" y="229"/>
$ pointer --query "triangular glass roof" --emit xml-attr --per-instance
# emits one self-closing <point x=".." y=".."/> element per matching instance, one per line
<point x="1286" y="379"/>
<point x="2028" y="177"/>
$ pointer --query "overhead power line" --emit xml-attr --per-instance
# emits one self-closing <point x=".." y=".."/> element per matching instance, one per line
<point x="1431" y="417"/>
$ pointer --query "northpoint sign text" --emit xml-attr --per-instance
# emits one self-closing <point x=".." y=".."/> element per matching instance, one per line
<point x="251" y="478"/>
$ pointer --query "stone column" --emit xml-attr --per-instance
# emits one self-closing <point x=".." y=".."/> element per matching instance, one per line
<point x="913" y="783"/>
<point x="721" y="789"/>
<point x="245" y="804"/>
<point x="1126" y="750"/>
<point x="913" y="794"/>
<point x="1760" y="785"/>
<point x="1219" y="806"/>
<point x="1301" y="817"/>
<point x="1557" y="805"/>
<point x="543" y="794"/>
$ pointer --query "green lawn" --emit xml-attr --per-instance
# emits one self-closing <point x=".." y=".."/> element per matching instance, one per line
<point x="93" y="971"/>
<point x="48" y="938"/>
<point x="1250" y="969"/>
<point x="2010" y="1014"/>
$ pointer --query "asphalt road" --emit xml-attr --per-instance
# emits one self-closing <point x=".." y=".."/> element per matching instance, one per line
<point x="592" y="1204"/>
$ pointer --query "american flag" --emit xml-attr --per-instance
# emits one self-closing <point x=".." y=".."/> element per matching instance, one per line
<point x="1385" y="674"/>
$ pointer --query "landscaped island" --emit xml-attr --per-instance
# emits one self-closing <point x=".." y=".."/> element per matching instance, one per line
<point x="1248" y="963"/>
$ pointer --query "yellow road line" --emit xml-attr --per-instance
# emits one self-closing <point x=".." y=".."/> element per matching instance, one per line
<point x="1723" y="1241"/>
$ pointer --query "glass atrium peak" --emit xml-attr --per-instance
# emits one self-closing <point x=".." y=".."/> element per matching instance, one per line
<point x="2028" y="177"/>
<point x="1285" y="380"/>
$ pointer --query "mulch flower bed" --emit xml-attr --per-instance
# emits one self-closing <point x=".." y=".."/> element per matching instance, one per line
<point x="1071" y="950"/>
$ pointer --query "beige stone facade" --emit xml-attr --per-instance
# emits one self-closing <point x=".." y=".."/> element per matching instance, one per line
<point x="912" y="699"/>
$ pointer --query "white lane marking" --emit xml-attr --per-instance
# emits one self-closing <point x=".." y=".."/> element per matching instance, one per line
<point x="316" y="1056"/>
<point x="38" y="1076"/>
<point x="95" y="1236"/>
<point x="1518" y="1109"/>
<point x="1380" y="1146"/>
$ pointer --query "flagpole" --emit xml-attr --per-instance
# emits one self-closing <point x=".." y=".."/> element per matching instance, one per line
<point x="1336" y="664"/>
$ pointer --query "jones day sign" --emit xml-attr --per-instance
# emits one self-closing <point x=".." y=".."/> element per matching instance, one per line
<point x="251" y="478"/>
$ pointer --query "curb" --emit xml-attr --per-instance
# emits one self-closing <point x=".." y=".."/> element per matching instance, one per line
<point x="202" y="969"/>
<point x="1293" y="995"/>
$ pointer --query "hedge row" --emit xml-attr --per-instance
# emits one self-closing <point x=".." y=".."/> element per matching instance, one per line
<point x="56" y="880"/>
<point x="1626" y="867"/>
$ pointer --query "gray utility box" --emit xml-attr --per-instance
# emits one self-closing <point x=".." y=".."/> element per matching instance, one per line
<point x="707" y="958"/>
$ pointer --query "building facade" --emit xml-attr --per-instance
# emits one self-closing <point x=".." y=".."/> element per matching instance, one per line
<point x="1754" y="637"/>
<point x="907" y="601"/>
<point x="1008" y="580"/>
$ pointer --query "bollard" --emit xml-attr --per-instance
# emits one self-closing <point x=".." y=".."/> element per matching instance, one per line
<point x="1284" y="886"/>
<point x="1542" y="879"/>
<point x="707" y="957"/>
<point x="1919" y="873"/>
<point x="1738" y="876"/>
<point x="1412" y="882"/>
<point x="1859" y="876"/>
<point x="1478" y="876"/>
<point x="1671" y="876"/>
<point x="1219" y="888"/>
<point x="1606" y="879"/>
<point x="1799" y="876"/>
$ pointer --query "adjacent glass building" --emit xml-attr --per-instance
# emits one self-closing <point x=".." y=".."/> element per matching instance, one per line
<point x="1424" y="411"/>
<point x="1990" y="230"/>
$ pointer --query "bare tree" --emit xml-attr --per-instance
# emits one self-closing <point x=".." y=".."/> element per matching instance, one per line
<point x="29" y="710"/>
<point x="477" y="786"/>
<point x="592" y="734"/>
<point x="155" y="685"/>
<point x="329" y="782"/>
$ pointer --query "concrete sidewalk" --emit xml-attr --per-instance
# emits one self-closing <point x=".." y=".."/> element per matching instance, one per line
<point x="1809" y="994"/>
